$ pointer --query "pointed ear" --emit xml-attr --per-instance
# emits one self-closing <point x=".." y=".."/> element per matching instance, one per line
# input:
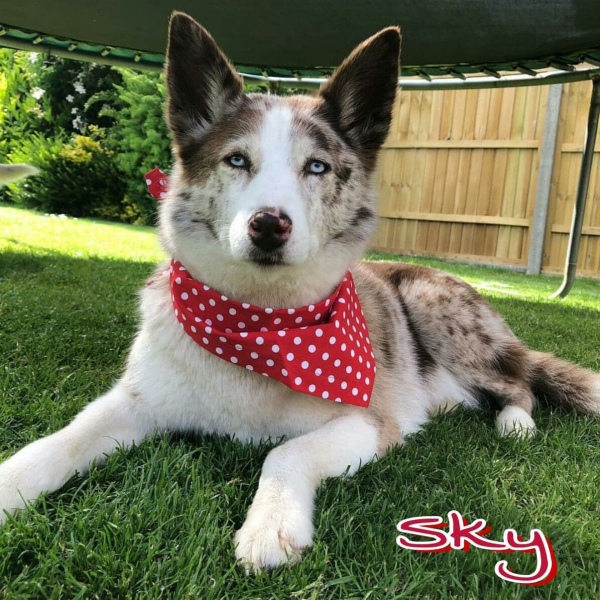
<point x="201" y="83"/>
<point x="359" y="97"/>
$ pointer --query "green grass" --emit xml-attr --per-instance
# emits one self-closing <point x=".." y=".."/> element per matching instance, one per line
<point x="159" y="521"/>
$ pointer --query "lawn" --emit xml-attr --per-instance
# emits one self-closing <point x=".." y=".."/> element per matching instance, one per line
<point x="159" y="521"/>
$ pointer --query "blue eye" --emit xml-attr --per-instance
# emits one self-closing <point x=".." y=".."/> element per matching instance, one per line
<point x="317" y="167"/>
<point x="237" y="161"/>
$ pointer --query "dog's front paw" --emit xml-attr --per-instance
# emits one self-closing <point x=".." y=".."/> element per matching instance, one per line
<point x="272" y="535"/>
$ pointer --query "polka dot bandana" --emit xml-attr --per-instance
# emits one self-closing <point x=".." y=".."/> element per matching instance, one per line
<point x="157" y="183"/>
<point x="322" y="349"/>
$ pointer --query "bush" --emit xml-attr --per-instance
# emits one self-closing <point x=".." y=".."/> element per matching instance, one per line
<point x="77" y="178"/>
<point x="139" y="135"/>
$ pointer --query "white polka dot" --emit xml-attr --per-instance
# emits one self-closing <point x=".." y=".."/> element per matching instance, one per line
<point x="212" y="302"/>
<point x="238" y="347"/>
<point x="337" y="325"/>
<point x="245" y="305"/>
<point x="260" y="341"/>
<point x="219" y="350"/>
<point x="318" y="316"/>
<point x="325" y="355"/>
<point x="297" y="341"/>
<point x="255" y="318"/>
<point x="208" y="329"/>
<point x="342" y="301"/>
<point x="338" y="399"/>
<point x="222" y="339"/>
<point x="184" y="296"/>
<point x="250" y="367"/>
<point x="228" y="330"/>
<point x="178" y="280"/>
<point x="193" y="329"/>
<point x="194" y="291"/>
<point x="220" y="317"/>
<point x="352" y="353"/>
<point x="343" y="346"/>
<point x="201" y="306"/>
<point x="368" y="365"/>
<point x="205" y="340"/>
<point x="367" y="380"/>
<point x="176" y="313"/>
<point x="291" y="311"/>
<point x="197" y="319"/>
<point x="325" y="394"/>
<point x="327" y="302"/>
<point x="206" y="288"/>
<point x="331" y="379"/>
<point x="275" y="348"/>
<point x="268" y="310"/>
<point x="319" y="332"/>
<point x="360" y="360"/>
<point x="266" y="374"/>
<point x="281" y="333"/>
<point x="305" y="364"/>
<point x="224" y="298"/>
<point x="298" y="319"/>
<point x="332" y="340"/>
<point x="243" y="334"/>
<point x="312" y="387"/>
<point x="337" y="362"/>
<point x="311" y="307"/>
<point x="355" y="391"/>
<point x="241" y="325"/>
<point x="344" y="385"/>
<point x="254" y="355"/>
<point x="232" y="311"/>
<point x="284" y="372"/>
<point x="163" y="195"/>
<point x="358" y="375"/>
<point x="270" y="362"/>
<point x="365" y="397"/>
<point x="298" y="380"/>
<point x="148" y="181"/>
<point x="234" y="360"/>
<point x="208" y="322"/>
<point x="318" y="371"/>
<point x="290" y="356"/>
<point x="277" y="321"/>
<point x="312" y="348"/>
<point x="348" y="369"/>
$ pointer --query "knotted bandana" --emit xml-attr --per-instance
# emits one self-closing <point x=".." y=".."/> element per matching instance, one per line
<point x="322" y="349"/>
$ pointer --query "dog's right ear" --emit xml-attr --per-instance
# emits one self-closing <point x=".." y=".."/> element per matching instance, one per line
<point x="202" y="85"/>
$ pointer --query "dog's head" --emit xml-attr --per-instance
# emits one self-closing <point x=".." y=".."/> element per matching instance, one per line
<point x="268" y="189"/>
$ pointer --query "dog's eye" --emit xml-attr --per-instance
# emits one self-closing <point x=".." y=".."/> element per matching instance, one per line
<point x="317" y="167"/>
<point x="237" y="161"/>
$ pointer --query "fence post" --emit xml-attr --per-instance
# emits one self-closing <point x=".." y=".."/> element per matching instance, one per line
<point x="542" y="196"/>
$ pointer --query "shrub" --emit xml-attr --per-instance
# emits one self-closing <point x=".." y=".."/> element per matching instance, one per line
<point x="77" y="178"/>
<point x="139" y="135"/>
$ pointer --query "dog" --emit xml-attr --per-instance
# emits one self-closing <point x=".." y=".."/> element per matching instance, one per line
<point x="12" y="173"/>
<point x="270" y="205"/>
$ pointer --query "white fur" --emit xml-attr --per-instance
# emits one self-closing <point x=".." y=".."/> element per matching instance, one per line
<point x="514" y="420"/>
<point x="11" y="173"/>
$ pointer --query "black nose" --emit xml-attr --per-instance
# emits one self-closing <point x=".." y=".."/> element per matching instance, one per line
<point x="269" y="228"/>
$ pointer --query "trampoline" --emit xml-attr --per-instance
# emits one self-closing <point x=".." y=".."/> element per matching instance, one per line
<point x="446" y="44"/>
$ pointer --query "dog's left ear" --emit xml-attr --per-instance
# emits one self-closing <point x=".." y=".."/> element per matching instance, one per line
<point x="359" y="97"/>
<point x="202" y="85"/>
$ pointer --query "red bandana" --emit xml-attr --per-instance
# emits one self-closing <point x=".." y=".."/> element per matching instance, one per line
<point x="322" y="349"/>
<point x="157" y="183"/>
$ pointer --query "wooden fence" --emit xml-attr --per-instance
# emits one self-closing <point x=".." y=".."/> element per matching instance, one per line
<point x="459" y="173"/>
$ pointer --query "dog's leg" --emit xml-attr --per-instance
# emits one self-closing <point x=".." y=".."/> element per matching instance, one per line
<point x="47" y="464"/>
<point x="279" y="522"/>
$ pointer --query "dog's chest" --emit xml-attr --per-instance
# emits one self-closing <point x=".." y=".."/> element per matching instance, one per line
<point x="184" y="387"/>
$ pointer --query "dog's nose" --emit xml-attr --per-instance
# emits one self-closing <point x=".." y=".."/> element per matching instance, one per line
<point x="269" y="228"/>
